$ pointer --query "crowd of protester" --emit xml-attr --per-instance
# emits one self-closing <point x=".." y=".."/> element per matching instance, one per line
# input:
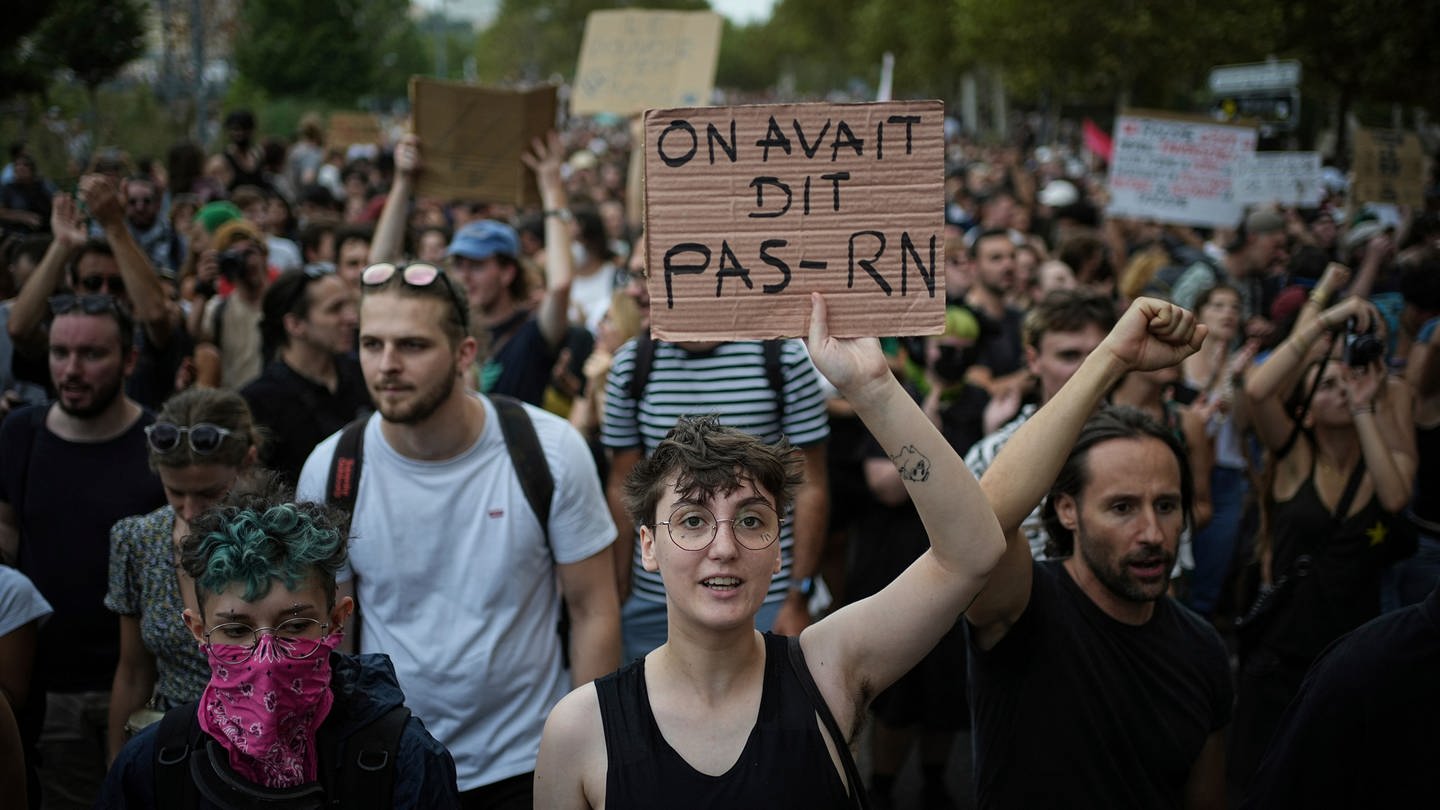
<point x="283" y="312"/>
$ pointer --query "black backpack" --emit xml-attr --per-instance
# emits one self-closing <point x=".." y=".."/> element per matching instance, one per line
<point x="356" y="773"/>
<point x="645" y="362"/>
<point x="526" y="455"/>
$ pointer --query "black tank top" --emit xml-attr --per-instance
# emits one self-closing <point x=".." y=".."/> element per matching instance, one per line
<point x="784" y="765"/>
<point x="1339" y="589"/>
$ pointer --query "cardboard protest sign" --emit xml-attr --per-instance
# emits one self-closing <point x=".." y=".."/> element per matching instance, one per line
<point x="345" y="129"/>
<point x="1389" y="167"/>
<point x="471" y="139"/>
<point x="1177" y="169"/>
<point x="749" y="209"/>
<point x="633" y="60"/>
<point x="1284" y="178"/>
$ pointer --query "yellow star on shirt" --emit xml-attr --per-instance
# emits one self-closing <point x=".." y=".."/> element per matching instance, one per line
<point x="1377" y="533"/>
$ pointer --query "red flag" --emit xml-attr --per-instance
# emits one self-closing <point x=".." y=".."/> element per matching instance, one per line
<point x="1097" y="141"/>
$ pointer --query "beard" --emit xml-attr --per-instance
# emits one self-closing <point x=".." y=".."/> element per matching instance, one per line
<point x="1115" y="574"/>
<point x="422" y="406"/>
<point x="101" y="398"/>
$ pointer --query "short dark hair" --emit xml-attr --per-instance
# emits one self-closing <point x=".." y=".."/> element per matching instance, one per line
<point x="1108" y="424"/>
<point x="707" y="458"/>
<point x="1068" y="311"/>
<point x="991" y="233"/>
<point x="352" y="233"/>
<point x="314" y="233"/>
<point x="1209" y="292"/>
<point x="93" y="245"/>
<point x="124" y="322"/>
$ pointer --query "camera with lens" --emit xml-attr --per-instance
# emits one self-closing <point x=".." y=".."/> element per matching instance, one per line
<point x="232" y="264"/>
<point x="1362" y="347"/>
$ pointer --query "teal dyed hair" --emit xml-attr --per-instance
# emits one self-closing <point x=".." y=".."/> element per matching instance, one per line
<point x="258" y="538"/>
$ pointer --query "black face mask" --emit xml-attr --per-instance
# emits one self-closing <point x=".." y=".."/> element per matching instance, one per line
<point x="953" y="362"/>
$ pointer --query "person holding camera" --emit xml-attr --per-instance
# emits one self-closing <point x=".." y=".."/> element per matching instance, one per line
<point x="1342" y="443"/>
<point x="231" y="278"/>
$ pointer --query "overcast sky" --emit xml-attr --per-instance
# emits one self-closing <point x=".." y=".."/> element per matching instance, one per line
<point x="741" y="11"/>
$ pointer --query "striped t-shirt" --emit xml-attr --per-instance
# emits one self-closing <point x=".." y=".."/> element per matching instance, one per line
<point x="729" y="381"/>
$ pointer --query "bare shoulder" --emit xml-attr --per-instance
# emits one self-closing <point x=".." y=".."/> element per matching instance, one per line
<point x="570" y="771"/>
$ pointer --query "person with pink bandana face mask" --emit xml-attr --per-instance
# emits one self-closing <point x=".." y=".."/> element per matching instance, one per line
<point x="285" y="721"/>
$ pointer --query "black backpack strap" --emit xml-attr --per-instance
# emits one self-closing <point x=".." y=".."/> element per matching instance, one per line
<point x="842" y="746"/>
<point x="367" y="775"/>
<point x="529" y="459"/>
<point x="538" y="484"/>
<point x="178" y="737"/>
<point x="344" y="481"/>
<point x="775" y="373"/>
<point x="644" y="362"/>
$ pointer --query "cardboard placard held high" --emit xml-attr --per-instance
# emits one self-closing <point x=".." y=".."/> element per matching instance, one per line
<point x="748" y="209"/>
<point x="472" y="139"/>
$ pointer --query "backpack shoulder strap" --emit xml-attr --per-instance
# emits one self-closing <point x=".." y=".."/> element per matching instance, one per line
<point x="775" y="373"/>
<point x="177" y="738"/>
<point x="217" y="328"/>
<point x="367" y="773"/>
<point x="842" y="745"/>
<point x="644" y="362"/>
<point x="343" y="483"/>
<point x="529" y="459"/>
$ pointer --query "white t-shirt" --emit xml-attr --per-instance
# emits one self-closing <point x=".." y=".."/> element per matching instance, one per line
<point x="456" y="585"/>
<point x="20" y="601"/>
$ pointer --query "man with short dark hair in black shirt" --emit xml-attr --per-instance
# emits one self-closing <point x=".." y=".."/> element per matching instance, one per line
<point x="1089" y="686"/>
<point x="313" y="385"/>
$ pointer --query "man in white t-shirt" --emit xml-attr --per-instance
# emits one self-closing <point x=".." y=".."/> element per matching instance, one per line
<point x="453" y="575"/>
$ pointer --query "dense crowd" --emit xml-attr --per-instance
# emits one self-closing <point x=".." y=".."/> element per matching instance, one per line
<point x="300" y="467"/>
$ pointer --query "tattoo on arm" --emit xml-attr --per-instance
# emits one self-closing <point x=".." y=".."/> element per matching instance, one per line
<point x="912" y="464"/>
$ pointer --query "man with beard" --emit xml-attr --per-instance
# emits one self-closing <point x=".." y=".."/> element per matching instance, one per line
<point x="455" y="575"/>
<point x="68" y="471"/>
<point x="152" y="231"/>
<point x="1089" y="686"/>
<point x="1000" y="367"/>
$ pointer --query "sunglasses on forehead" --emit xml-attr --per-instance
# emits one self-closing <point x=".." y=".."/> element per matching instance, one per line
<point x="66" y="303"/>
<point x="94" y="284"/>
<point x="204" y="437"/>
<point x="416" y="275"/>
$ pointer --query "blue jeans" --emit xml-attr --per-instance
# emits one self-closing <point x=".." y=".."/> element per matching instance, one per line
<point x="1214" y="546"/>
<point x="643" y="625"/>
<point x="1408" y="582"/>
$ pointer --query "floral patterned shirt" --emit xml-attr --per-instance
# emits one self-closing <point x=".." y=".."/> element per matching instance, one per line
<point x="143" y="584"/>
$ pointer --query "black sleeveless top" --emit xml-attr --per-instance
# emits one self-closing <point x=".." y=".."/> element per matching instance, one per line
<point x="1339" y="589"/>
<point x="784" y="765"/>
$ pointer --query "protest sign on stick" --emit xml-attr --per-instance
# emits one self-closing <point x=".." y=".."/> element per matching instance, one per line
<point x="1178" y="169"/>
<point x="346" y="129"/>
<point x="749" y="209"/>
<point x="1283" y="178"/>
<point x="472" y="139"/>
<point x="632" y="60"/>
<point x="1389" y="167"/>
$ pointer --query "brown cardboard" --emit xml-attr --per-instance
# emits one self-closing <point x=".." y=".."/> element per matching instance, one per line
<point x="471" y="139"/>
<point x="346" y="129"/>
<point x="631" y="60"/>
<point x="1389" y="167"/>
<point x="888" y="187"/>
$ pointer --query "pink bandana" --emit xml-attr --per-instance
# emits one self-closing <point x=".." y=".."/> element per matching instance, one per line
<point x="266" y="710"/>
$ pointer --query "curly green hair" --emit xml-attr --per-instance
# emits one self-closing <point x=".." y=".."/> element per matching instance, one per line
<point x="261" y="535"/>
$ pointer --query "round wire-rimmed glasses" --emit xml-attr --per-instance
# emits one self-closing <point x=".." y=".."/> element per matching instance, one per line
<point x="693" y="527"/>
<point x="235" y="642"/>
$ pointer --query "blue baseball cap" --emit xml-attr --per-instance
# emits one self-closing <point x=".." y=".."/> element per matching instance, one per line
<point x="483" y="239"/>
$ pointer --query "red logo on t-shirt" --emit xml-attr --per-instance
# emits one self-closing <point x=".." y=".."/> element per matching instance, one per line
<point x="496" y="513"/>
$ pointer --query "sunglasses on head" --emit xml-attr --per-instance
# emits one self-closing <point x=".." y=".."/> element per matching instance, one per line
<point x="416" y="275"/>
<point x="89" y="304"/>
<point x="204" y="437"/>
<point x="114" y="284"/>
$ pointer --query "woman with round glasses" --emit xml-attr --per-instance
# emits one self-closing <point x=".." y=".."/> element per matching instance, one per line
<point x="720" y="714"/>
<point x="284" y="720"/>
<point x="200" y="444"/>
